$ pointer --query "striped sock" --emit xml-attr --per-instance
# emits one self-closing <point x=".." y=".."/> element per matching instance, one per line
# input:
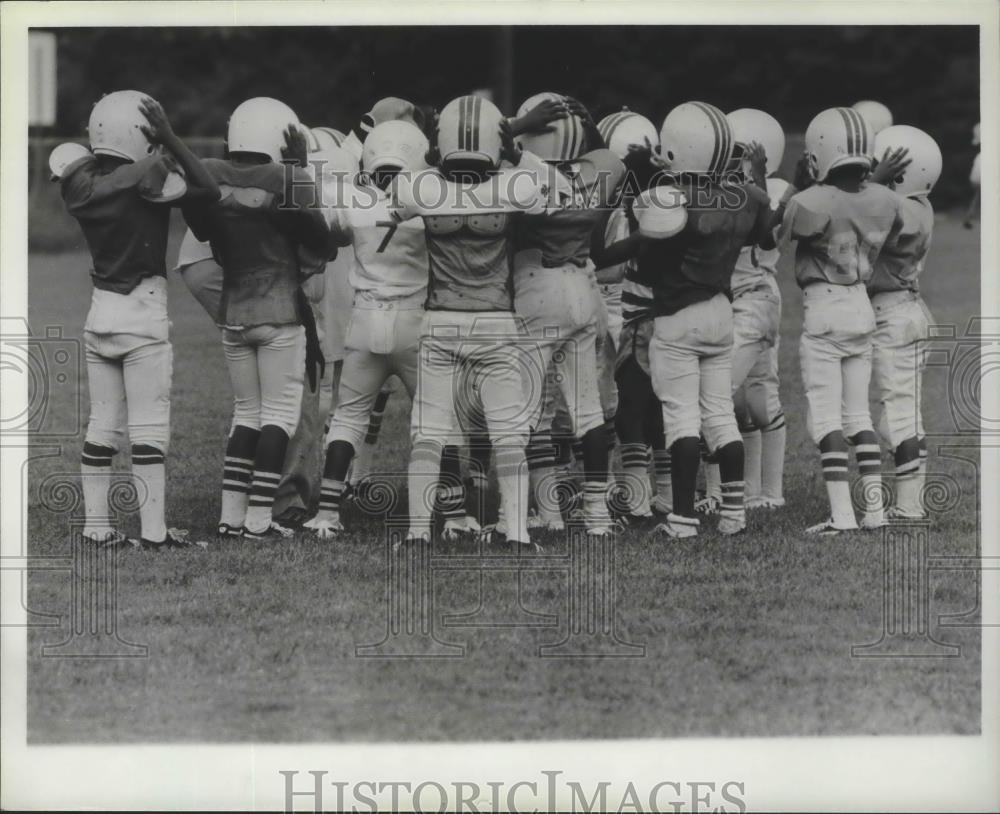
<point x="869" y="457"/>
<point x="268" y="462"/>
<point x="731" y="487"/>
<point x="375" y="419"/>
<point x="662" y="475"/>
<point x="236" y="473"/>
<point x="751" y="460"/>
<point x="772" y="458"/>
<point x="148" y="465"/>
<point x="908" y="464"/>
<point x="713" y="481"/>
<point x="635" y="465"/>
<point x="595" y="504"/>
<point x="541" y="455"/>
<point x="95" y="472"/>
<point x="450" y="500"/>
<point x="833" y="452"/>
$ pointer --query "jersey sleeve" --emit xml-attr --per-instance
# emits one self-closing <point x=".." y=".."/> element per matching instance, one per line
<point x="762" y="218"/>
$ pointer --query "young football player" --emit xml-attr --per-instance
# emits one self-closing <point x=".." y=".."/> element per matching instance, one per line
<point x="901" y="317"/>
<point x="469" y="338"/>
<point x="840" y="224"/>
<point x="120" y="197"/>
<point x="688" y="258"/>
<point x="256" y="231"/>
<point x="756" y="325"/>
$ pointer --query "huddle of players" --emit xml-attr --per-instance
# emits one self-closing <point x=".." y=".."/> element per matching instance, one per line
<point x="505" y="270"/>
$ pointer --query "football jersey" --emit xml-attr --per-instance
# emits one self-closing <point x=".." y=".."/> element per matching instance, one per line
<point x="390" y="256"/>
<point x="126" y="234"/>
<point x="698" y="262"/>
<point x="636" y="298"/>
<point x="754" y="262"/>
<point x="468" y="229"/>
<point x="839" y="234"/>
<point x="901" y="260"/>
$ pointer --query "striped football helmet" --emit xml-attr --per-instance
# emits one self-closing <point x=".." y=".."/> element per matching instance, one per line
<point x="626" y="129"/>
<point x="876" y="114"/>
<point x="836" y="137"/>
<point x="565" y="138"/>
<point x="697" y="137"/>
<point x="258" y="126"/>
<point x="924" y="154"/>
<point x="115" y="126"/>
<point x="395" y="143"/>
<point x="469" y="130"/>
<point x="756" y="125"/>
<point x="327" y="137"/>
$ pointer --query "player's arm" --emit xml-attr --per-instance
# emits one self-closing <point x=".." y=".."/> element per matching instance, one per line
<point x="539" y="118"/>
<point x="200" y="184"/>
<point x="780" y="226"/>
<point x="890" y="166"/>
<point x="616" y="254"/>
<point x="594" y="139"/>
<point x="306" y="221"/>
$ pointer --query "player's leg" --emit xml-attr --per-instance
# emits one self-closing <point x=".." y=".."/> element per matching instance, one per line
<point x="147" y="373"/>
<point x="105" y="432"/>
<point x="751" y="445"/>
<point x="764" y="405"/>
<point x="364" y="455"/>
<point x="857" y="373"/>
<point x="281" y="369"/>
<point x="241" y="447"/>
<point x="630" y="421"/>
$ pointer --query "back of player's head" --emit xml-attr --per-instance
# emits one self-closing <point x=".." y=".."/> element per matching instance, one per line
<point x="838" y="137"/>
<point x="875" y="113"/>
<point x="564" y="139"/>
<point x="115" y="127"/>
<point x="258" y="126"/>
<point x="696" y="137"/>
<point x="924" y="169"/>
<point x="468" y="135"/>
<point x="751" y="125"/>
<point x="624" y="130"/>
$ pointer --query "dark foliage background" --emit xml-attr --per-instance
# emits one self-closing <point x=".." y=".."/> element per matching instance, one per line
<point x="927" y="75"/>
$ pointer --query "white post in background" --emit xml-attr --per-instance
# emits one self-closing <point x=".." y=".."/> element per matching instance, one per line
<point x="41" y="99"/>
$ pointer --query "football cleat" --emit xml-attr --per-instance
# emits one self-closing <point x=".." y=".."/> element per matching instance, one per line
<point x="661" y="505"/>
<point x="732" y="525"/>
<point x="517" y="547"/>
<point x="898" y="515"/>
<point x="111" y="539"/>
<point x="837" y="137"/>
<point x="115" y="126"/>
<point x="678" y="526"/>
<point x="458" y="528"/>
<point x="924" y="170"/>
<point x="764" y="502"/>
<point x="227" y="532"/>
<point x="870" y="523"/>
<point x="828" y="528"/>
<point x="271" y="533"/>
<point x="258" y="126"/>
<point x="708" y="505"/>
<point x="326" y="528"/>
<point x="176" y="538"/>
<point x="539" y="523"/>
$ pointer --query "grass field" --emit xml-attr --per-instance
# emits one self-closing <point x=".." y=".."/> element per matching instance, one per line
<point x="746" y="636"/>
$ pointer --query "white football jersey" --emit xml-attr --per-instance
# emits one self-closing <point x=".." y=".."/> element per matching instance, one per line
<point x="390" y="256"/>
<point x="755" y="262"/>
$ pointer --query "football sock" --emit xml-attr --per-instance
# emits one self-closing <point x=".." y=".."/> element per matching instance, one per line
<point x="662" y="474"/>
<point x="751" y="461"/>
<point x="869" y="458"/>
<point x="361" y="465"/>
<point x="833" y="452"/>
<point x="541" y="461"/>
<point x="731" y="458"/>
<point x="339" y="455"/>
<point x="422" y="480"/>
<point x="268" y="461"/>
<point x="451" y="491"/>
<point x="685" y="456"/>
<point x="772" y="458"/>
<point x="908" y="481"/>
<point x="95" y="474"/>
<point x="148" y="465"/>
<point x="511" y="471"/>
<point x="236" y="474"/>
<point x="635" y="465"/>
<point x="595" y="504"/>
<point x="922" y="473"/>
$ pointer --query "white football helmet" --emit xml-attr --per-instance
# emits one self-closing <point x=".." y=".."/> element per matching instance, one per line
<point x="115" y="126"/>
<point x="389" y="109"/>
<point x="469" y="130"/>
<point x="756" y="125"/>
<point x="395" y="143"/>
<point x="327" y="137"/>
<point x="836" y="137"/>
<point x="258" y="126"/>
<point x="626" y="129"/>
<point x="565" y="139"/>
<point x="64" y="155"/>
<point x="333" y="162"/>
<point x="924" y="170"/>
<point x="697" y="137"/>
<point x="876" y="114"/>
<point x="661" y="212"/>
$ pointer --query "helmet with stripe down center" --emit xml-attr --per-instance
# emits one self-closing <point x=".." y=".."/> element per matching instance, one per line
<point x="696" y="137"/>
<point x="838" y="137"/>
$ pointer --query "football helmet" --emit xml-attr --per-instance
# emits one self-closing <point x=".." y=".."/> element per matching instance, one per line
<point x="756" y="125"/>
<point x="661" y="212"/>
<point x="391" y="108"/>
<point x="924" y="154"/>
<point x="64" y="155"/>
<point x="626" y="129"/>
<point x="565" y="138"/>
<point x="697" y="137"/>
<point x="258" y="126"/>
<point x="876" y="114"/>
<point x="333" y="162"/>
<point x="469" y="130"/>
<point x="115" y="126"/>
<point x="327" y="137"/>
<point x="836" y="137"/>
<point x="395" y="143"/>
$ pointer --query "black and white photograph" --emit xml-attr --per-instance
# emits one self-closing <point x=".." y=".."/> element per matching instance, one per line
<point x="580" y="407"/>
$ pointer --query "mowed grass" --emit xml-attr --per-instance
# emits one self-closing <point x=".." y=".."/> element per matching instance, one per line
<point x="748" y="636"/>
